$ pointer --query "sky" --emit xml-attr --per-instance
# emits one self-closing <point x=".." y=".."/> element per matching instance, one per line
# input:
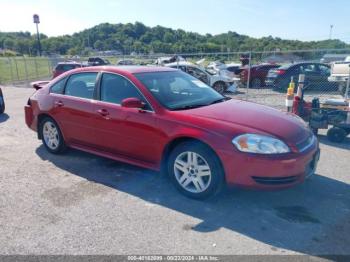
<point x="288" y="19"/>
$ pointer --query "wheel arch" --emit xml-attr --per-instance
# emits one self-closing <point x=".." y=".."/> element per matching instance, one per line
<point x="219" y="81"/>
<point x="40" y="119"/>
<point x="181" y="139"/>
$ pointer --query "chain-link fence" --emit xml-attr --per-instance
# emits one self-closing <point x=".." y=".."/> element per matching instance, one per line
<point x="261" y="77"/>
<point x="22" y="70"/>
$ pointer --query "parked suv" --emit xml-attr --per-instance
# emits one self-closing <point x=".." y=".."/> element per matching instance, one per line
<point x="64" y="67"/>
<point x="257" y="76"/>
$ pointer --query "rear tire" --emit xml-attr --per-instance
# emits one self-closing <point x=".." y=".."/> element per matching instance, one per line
<point x="336" y="134"/>
<point x="195" y="170"/>
<point x="51" y="136"/>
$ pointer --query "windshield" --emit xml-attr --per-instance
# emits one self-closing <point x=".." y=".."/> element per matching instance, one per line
<point x="177" y="90"/>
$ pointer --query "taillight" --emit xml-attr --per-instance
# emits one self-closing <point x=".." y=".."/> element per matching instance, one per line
<point x="280" y="72"/>
<point x="29" y="103"/>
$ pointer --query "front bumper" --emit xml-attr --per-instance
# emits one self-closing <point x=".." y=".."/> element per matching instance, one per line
<point x="269" y="172"/>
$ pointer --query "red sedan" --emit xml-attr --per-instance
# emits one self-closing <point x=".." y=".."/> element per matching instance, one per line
<point x="164" y="119"/>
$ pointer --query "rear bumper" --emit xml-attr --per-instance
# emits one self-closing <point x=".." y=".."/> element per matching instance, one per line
<point x="29" y="118"/>
<point x="269" y="82"/>
<point x="269" y="172"/>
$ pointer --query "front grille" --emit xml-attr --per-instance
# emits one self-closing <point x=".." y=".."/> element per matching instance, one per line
<point x="306" y="143"/>
<point x="275" y="180"/>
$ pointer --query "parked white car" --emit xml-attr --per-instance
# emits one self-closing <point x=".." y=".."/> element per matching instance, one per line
<point x="169" y="59"/>
<point x="340" y="72"/>
<point x="228" y="69"/>
<point x="217" y="81"/>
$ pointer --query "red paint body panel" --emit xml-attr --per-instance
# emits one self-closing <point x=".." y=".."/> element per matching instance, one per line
<point x="140" y="137"/>
<point x="259" y="72"/>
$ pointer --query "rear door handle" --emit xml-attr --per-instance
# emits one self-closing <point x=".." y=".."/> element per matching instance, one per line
<point x="59" y="104"/>
<point x="103" y="112"/>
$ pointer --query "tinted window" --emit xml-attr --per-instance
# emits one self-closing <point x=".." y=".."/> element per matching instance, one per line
<point x="308" y="68"/>
<point x="81" y="85"/>
<point x="324" y="69"/>
<point x="65" y="67"/>
<point x="232" y="69"/>
<point x="115" y="88"/>
<point x="58" y="88"/>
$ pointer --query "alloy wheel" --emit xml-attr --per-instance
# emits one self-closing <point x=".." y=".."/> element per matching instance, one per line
<point x="51" y="135"/>
<point x="192" y="172"/>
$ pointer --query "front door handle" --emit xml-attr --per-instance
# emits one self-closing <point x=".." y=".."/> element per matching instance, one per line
<point x="103" y="112"/>
<point x="59" y="104"/>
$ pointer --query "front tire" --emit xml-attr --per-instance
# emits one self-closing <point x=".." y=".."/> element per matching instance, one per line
<point x="220" y="87"/>
<point x="51" y="136"/>
<point x="195" y="170"/>
<point x="256" y="83"/>
<point x="336" y="134"/>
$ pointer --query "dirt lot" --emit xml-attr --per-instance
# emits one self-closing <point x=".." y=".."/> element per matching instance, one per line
<point x="78" y="203"/>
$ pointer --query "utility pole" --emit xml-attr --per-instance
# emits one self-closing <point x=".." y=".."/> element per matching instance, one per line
<point x="36" y="21"/>
<point x="330" y="31"/>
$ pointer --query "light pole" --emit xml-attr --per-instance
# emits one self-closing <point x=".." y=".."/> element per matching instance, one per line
<point x="330" y="31"/>
<point x="36" y="21"/>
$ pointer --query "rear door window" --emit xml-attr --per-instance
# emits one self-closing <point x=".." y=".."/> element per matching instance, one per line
<point x="81" y="85"/>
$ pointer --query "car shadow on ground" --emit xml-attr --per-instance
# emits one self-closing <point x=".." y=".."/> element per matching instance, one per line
<point x="343" y="145"/>
<point x="312" y="218"/>
<point x="4" y="117"/>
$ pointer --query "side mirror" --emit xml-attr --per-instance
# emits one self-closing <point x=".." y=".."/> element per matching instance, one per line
<point x="133" y="102"/>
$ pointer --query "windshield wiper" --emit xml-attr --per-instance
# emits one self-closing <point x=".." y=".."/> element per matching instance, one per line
<point x="219" y="100"/>
<point x="188" y="107"/>
<point x="201" y="105"/>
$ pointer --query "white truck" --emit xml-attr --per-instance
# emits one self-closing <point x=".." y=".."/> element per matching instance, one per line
<point x="340" y="73"/>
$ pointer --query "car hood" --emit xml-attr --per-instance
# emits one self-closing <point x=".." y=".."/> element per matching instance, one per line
<point x="283" y="125"/>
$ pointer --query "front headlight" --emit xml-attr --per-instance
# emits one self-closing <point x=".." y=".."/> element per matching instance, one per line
<point x="260" y="144"/>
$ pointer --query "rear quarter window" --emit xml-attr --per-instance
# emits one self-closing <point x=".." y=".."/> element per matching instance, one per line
<point x="58" y="88"/>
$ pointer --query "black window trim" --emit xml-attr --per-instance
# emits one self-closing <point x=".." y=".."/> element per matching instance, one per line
<point x="79" y="73"/>
<point x="98" y="93"/>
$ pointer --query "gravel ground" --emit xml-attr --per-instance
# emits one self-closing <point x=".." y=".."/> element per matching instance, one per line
<point x="79" y="203"/>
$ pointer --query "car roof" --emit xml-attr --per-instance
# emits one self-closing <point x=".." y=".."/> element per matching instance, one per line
<point x="266" y="65"/>
<point x="128" y="69"/>
<point x="301" y="63"/>
<point x="69" y="63"/>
